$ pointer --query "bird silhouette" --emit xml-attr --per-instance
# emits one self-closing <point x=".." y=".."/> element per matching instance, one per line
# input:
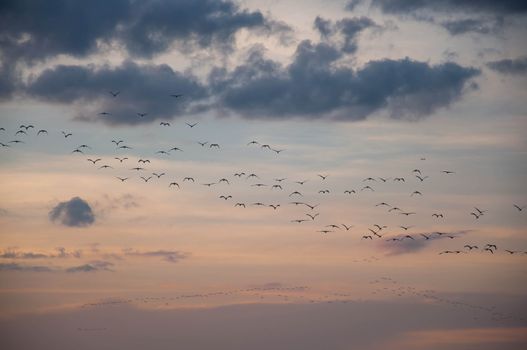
<point x="114" y="93"/>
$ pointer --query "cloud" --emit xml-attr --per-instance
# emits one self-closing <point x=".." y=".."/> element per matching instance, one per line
<point x="28" y="268"/>
<point x="144" y="89"/>
<point x="347" y="28"/>
<point x="509" y="66"/>
<point x="74" y="213"/>
<point x="312" y="87"/>
<point x="13" y="253"/>
<point x="408" y="245"/>
<point x="143" y="28"/>
<point x="463" y="26"/>
<point x="172" y="256"/>
<point x="503" y="7"/>
<point x="91" y="267"/>
<point x="487" y="16"/>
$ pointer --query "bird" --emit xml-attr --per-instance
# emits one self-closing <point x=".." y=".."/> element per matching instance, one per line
<point x="511" y="251"/>
<point x="416" y="192"/>
<point x="138" y="168"/>
<point x="164" y="124"/>
<point x="42" y="131"/>
<point x="421" y="178"/>
<point x="188" y="179"/>
<point x="266" y="146"/>
<point x="323" y="177"/>
<point x="301" y="182"/>
<point x="448" y="172"/>
<point x="346" y="227"/>
<point x="215" y="145"/>
<point x="416" y="171"/>
<point x="394" y="208"/>
<point x="93" y="160"/>
<point x="176" y="95"/>
<point x="407" y="213"/>
<point x="438" y="215"/>
<point x="480" y="211"/>
<point x="77" y="151"/>
<point x="162" y="152"/>
<point x="209" y="184"/>
<point x="192" y="125"/>
<point x="175" y="149"/>
<point x="105" y="113"/>
<point x="425" y="236"/>
<point x="470" y="247"/>
<point x="296" y="193"/>
<point x="239" y="205"/>
<point x="369" y="179"/>
<point x="277" y="151"/>
<point x="66" y="135"/>
<point x="367" y="188"/>
<point x="349" y="191"/>
<point x="382" y="204"/>
<point x="380" y="227"/>
<point x="489" y="250"/>
<point x="173" y="184"/>
<point x="325" y="231"/>
<point x="299" y="221"/>
<point x="399" y="179"/>
<point x="384" y="179"/>
<point x="123" y="179"/>
<point x="224" y="180"/>
<point x="105" y="167"/>
<point x="158" y="175"/>
<point x="114" y="93"/>
<point x="146" y="178"/>
<point x="124" y="147"/>
<point x="323" y="191"/>
<point x="519" y="208"/>
<point x="225" y="197"/>
<point x="143" y="161"/>
<point x="313" y="216"/>
<point x="333" y="226"/>
<point x="475" y="215"/>
<point x="202" y="144"/>
<point x="366" y="237"/>
<point x="20" y="132"/>
<point x="274" y="206"/>
<point x="310" y="206"/>
<point x="405" y="227"/>
<point x="280" y="180"/>
<point x="277" y="186"/>
<point x="258" y="185"/>
<point x="253" y="143"/>
<point x="120" y="159"/>
<point x="117" y="142"/>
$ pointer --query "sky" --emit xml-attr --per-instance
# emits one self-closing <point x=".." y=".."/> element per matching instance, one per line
<point x="258" y="174"/>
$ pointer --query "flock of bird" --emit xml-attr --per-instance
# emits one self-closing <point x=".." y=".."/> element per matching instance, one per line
<point x="295" y="197"/>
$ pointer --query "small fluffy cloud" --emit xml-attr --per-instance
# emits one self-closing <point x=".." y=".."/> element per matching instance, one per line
<point x="172" y="256"/>
<point x="509" y="66"/>
<point x="74" y="213"/>
<point x="91" y="267"/>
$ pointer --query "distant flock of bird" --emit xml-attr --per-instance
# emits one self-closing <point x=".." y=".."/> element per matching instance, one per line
<point x="375" y="232"/>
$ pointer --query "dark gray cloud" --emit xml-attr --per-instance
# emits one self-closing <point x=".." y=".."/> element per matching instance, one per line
<point x="509" y="66"/>
<point x="172" y="256"/>
<point x="144" y="89"/>
<point x="38" y="29"/>
<point x="348" y="29"/>
<point x="27" y="268"/>
<point x="13" y="253"/>
<point x="91" y="267"/>
<point x="408" y="245"/>
<point x="485" y="17"/>
<point x="501" y="7"/>
<point x="463" y="26"/>
<point x="312" y="87"/>
<point x="75" y="213"/>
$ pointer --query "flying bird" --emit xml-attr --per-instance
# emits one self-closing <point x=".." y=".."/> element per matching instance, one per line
<point x="158" y="175"/>
<point x="42" y="131"/>
<point x="93" y="160"/>
<point x="66" y="135"/>
<point x="349" y="191"/>
<point x="192" y="125"/>
<point x="121" y="159"/>
<point x="519" y="208"/>
<point x="114" y="93"/>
